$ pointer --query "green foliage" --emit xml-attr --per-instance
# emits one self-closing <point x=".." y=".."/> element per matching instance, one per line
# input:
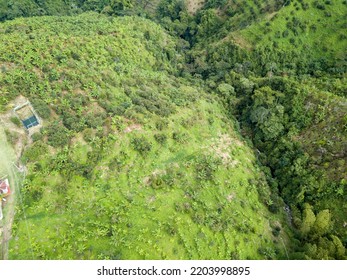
<point x="16" y="121"/>
<point x="120" y="5"/>
<point x="25" y="8"/>
<point x="57" y="134"/>
<point x="41" y="108"/>
<point x="266" y="114"/>
<point x="340" y="249"/>
<point x="180" y="137"/>
<point x="171" y="9"/>
<point x="161" y="138"/>
<point x="251" y="36"/>
<point x="141" y="144"/>
<point x="206" y="167"/>
<point x="208" y="23"/>
<point x="29" y="8"/>
<point x="37" y="136"/>
<point x="33" y="153"/>
<point x="308" y="220"/>
<point x="226" y="90"/>
<point x="323" y="223"/>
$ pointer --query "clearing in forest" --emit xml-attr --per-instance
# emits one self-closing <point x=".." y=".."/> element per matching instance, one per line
<point x="194" y="5"/>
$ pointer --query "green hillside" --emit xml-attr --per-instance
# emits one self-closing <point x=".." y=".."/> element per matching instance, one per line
<point x="314" y="27"/>
<point x="133" y="162"/>
<point x="294" y="38"/>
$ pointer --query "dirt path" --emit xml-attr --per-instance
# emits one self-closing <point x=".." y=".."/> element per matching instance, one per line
<point x="10" y="155"/>
<point x="7" y="225"/>
<point x="8" y="169"/>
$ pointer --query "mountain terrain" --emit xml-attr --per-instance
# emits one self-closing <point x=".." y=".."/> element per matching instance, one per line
<point x="176" y="129"/>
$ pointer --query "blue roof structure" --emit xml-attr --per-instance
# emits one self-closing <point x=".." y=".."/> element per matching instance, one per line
<point x="30" y="122"/>
<point x="26" y="113"/>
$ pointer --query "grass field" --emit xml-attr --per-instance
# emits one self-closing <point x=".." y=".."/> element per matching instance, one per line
<point x="303" y="26"/>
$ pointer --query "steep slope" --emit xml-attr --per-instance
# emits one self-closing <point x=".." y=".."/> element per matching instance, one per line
<point x="287" y="67"/>
<point x="133" y="161"/>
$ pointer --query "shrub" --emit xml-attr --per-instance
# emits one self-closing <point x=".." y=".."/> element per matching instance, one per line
<point x="160" y="138"/>
<point x="320" y="6"/>
<point x="285" y="33"/>
<point x="35" y="151"/>
<point x="141" y="145"/>
<point x="94" y="121"/>
<point x="36" y="136"/>
<point x="180" y="137"/>
<point x="206" y="166"/>
<point x="161" y="124"/>
<point x="16" y="121"/>
<point x="276" y="231"/>
<point x="88" y="134"/>
<point x="226" y="90"/>
<point x="41" y="108"/>
<point x="58" y="135"/>
<point x="73" y="122"/>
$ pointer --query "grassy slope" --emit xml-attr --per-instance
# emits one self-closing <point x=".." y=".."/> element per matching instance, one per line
<point x="318" y="31"/>
<point x="193" y="197"/>
<point x="289" y="36"/>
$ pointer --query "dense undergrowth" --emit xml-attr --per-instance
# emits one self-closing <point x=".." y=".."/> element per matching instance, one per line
<point x="141" y="154"/>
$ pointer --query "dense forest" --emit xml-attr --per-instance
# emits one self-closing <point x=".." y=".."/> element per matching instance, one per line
<point x="178" y="129"/>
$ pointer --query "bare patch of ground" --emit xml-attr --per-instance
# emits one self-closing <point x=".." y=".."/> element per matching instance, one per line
<point x="221" y="148"/>
<point x="270" y="16"/>
<point x="20" y="137"/>
<point x="78" y="139"/>
<point x="149" y="179"/>
<point x="194" y="5"/>
<point x="151" y="199"/>
<point x="19" y="134"/>
<point x="241" y="41"/>
<point x="38" y="72"/>
<point x="7" y="66"/>
<point x="231" y="196"/>
<point x="132" y="127"/>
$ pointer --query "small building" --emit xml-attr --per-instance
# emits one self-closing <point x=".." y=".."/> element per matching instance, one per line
<point x="4" y="192"/>
<point x="26" y="113"/>
<point x="4" y="188"/>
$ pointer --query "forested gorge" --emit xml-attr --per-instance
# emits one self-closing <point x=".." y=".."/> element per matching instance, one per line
<point x="180" y="129"/>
